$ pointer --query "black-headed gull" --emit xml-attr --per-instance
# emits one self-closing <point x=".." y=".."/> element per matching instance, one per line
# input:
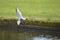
<point x="20" y="17"/>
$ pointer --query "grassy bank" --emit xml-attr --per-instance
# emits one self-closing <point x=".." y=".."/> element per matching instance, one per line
<point x="39" y="12"/>
<point x="46" y="9"/>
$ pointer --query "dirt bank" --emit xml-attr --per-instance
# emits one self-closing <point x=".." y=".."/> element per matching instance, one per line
<point x="12" y="22"/>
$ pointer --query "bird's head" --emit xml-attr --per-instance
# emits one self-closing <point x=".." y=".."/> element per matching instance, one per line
<point x="24" y="18"/>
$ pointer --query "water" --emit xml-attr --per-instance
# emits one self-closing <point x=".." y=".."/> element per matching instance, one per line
<point x="15" y="35"/>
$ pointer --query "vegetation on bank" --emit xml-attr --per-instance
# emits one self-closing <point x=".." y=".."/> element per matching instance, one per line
<point x="12" y="23"/>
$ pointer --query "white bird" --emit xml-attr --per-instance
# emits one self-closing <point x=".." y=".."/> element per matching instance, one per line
<point x="20" y="17"/>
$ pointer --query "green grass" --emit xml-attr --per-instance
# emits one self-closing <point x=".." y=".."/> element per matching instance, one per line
<point x="49" y="9"/>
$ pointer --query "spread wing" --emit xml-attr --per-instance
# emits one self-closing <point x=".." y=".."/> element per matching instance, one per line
<point x="19" y="14"/>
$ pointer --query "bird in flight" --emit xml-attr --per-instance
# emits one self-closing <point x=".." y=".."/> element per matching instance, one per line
<point x="20" y="17"/>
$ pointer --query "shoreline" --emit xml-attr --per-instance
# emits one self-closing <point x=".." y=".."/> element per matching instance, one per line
<point x="29" y="22"/>
<point x="30" y="26"/>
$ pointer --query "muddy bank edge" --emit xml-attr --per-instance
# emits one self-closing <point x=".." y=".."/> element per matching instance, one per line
<point x="12" y="22"/>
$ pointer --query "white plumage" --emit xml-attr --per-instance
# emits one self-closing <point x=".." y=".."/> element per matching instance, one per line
<point x="20" y="17"/>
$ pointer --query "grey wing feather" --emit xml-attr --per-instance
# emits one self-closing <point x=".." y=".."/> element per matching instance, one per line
<point x="19" y="14"/>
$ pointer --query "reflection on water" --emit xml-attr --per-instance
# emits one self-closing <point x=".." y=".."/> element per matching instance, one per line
<point x="41" y="38"/>
<point x="11" y="35"/>
<point x="44" y="38"/>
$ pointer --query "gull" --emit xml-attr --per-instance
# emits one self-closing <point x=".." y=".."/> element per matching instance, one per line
<point x="20" y="17"/>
